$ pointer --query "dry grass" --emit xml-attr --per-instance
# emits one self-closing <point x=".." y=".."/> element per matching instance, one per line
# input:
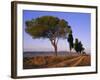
<point x="56" y="61"/>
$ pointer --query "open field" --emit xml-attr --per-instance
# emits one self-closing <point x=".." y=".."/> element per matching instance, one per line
<point x="56" y="61"/>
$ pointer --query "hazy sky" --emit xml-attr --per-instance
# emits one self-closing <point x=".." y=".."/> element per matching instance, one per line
<point x="79" y="22"/>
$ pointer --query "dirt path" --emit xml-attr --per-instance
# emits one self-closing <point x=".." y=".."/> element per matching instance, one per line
<point x="69" y="63"/>
<point x="78" y="61"/>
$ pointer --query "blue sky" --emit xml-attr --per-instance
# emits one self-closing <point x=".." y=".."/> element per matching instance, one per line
<point x="79" y="22"/>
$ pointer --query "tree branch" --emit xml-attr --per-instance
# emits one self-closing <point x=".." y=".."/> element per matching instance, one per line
<point x="57" y="40"/>
<point x="51" y="41"/>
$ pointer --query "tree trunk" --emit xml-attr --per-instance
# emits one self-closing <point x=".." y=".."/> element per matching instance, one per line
<point x="54" y="43"/>
<point x="70" y="48"/>
<point x="55" y="48"/>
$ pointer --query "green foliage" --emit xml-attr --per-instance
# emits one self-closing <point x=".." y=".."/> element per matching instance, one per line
<point x="70" y="40"/>
<point x="78" y="46"/>
<point x="47" y="27"/>
<point x="81" y="48"/>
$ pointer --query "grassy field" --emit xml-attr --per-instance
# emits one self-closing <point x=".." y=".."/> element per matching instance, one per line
<point x="56" y="61"/>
